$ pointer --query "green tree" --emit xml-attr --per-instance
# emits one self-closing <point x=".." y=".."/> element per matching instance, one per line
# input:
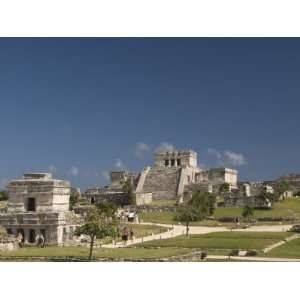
<point x="3" y="195"/>
<point x="99" y="222"/>
<point x="224" y="188"/>
<point x="205" y="202"/>
<point x="129" y="191"/>
<point x="73" y="201"/>
<point x="198" y="208"/>
<point x="280" y="188"/>
<point x="247" y="212"/>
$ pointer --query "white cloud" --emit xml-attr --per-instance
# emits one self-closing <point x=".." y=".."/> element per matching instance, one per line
<point x="141" y="149"/>
<point x="165" y="146"/>
<point x="74" y="171"/>
<point x="215" y="153"/>
<point x="105" y="175"/>
<point x="236" y="159"/>
<point x="52" y="169"/>
<point x="3" y="183"/>
<point x="119" y="164"/>
<point x="227" y="157"/>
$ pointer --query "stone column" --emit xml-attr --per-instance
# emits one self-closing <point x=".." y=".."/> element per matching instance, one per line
<point x="26" y="237"/>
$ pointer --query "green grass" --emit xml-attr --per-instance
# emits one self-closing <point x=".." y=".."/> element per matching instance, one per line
<point x="158" y="217"/>
<point x="163" y="203"/>
<point x="223" y="241"/>
<point x="287" y="208"/>
<point x="82" y="252"/>
<point x="52" y="251"/>
<point x="288" y="250"/>
<point x="139" y="231"/>
<point x="140" y="253"/>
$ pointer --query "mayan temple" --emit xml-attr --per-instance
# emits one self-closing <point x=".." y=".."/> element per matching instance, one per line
<point x="172" y="170"/>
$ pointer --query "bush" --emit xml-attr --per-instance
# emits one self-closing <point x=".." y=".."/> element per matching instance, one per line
<point x="227" y="219"/>
<point x="295" y="229"/>
<point x="276" y="219"/>
<point x="203" y="255"/>
<point x="251" y="253"/>
<point x="234" y="253"/>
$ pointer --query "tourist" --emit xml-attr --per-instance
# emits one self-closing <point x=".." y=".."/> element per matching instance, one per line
<point x="125" y="235"/>
<point x="131" y="234"/>
<point x="40" y="241"/>
<point x="20" y="239"/>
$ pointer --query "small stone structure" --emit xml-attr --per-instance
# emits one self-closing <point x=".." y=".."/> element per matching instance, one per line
<point x="218" y="176"/>
<point x="113" y="193"/>
<point x="106" y="194"/>
<point x="39" y="204"/>
<point x="249" y="193"/>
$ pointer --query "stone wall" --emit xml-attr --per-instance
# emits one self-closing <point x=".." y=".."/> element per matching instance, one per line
<point x="49" y="195"/>
<point x="114" y="196"/>
<point x="162" y="183"/>
<point x="176" y="158"/>
<point x="8" y="243"/>
<point x="193" y="188"/>
<point x="143" y="198"/>
<point x="220" y="176"/>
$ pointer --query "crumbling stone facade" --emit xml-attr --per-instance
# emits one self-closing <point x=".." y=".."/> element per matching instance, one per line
<point x="39" y="204"/>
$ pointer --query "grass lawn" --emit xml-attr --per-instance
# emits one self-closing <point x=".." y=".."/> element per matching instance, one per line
<point x="51" y="251"/>
<point x="139" y="230"/>
<point x="223" y="241"/>
<point x="158" y="217"/>
<point x="82" y="252"/>
<point x="287" y="208"/>
<point x="163" y="203"/>
<point x="140" y="253"/>
<point x="288" y="250"/>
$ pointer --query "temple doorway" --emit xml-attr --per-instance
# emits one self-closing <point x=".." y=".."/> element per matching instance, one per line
<point x="31" y="236"/>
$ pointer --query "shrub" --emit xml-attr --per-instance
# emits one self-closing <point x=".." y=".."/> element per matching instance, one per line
<point x="227" y="219"/>
<point x="234" y="253"/>
<point x="295" y="228"/>
<point x="251" y="253"/>
<point x="203" y="255"/>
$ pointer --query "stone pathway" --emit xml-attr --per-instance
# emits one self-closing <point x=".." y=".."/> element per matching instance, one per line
<point x="293" y="237"/>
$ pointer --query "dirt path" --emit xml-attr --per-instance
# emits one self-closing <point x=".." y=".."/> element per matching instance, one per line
<point x="177" y="230"/>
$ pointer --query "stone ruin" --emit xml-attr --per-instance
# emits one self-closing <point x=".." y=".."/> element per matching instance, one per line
<point x="39" y="204"/>
<point x="173" y="175"/>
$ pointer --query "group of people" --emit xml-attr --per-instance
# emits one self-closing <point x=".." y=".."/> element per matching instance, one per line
<point x="126" y="234"/>
<point x="129" y="216"/>
<point x="39" y="239"/>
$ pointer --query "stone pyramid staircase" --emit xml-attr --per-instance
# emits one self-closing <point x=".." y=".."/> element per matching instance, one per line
<point x="162" y="183"/>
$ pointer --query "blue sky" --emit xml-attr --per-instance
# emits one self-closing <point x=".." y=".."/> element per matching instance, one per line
<point x="82" y="107"/>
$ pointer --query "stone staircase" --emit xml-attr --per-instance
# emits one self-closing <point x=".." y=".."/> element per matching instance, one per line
<point x="142" y="179"/>
<point x="162" y="183"/>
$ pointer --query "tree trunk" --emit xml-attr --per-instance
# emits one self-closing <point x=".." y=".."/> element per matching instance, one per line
<point x="187" y="228"/>
<point x="91" y="247"/>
